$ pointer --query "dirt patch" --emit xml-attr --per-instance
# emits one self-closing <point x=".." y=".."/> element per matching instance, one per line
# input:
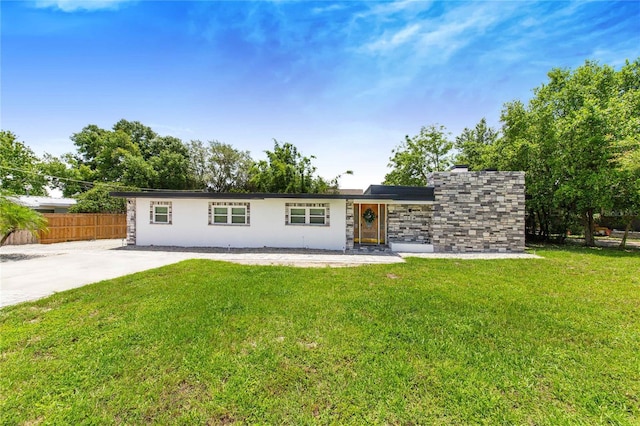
<point x="606" y="242"/>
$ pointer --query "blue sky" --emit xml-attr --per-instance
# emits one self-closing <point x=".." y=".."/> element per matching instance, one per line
<point x="344" y="81"/>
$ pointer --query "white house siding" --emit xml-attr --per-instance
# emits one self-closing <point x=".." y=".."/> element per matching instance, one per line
<point x="190" y="225"/>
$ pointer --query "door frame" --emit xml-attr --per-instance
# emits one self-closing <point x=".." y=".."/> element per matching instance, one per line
<point x="381" y="231"/>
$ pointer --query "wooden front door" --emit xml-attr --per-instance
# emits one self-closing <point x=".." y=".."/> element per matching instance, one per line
<point x="370" y="223"/>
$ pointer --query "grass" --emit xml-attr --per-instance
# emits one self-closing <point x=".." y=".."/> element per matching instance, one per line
<point x="549" y="341"/>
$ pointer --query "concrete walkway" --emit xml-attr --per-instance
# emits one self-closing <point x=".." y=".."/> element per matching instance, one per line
<point x="33" y="271"/>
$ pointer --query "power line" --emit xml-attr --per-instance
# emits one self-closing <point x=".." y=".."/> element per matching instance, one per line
<point x="111" y="184"/>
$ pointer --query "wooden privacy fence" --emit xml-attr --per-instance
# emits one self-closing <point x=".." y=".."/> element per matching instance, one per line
<point x="83" y="226"/>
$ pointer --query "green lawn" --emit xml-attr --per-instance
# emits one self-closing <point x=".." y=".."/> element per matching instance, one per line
<point x="549" y="341"/>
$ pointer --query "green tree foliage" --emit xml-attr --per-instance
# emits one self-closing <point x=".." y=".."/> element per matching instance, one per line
<point x="573" y="139"/>
<point x="134" y="171"/>
<point x="219" y="167"/>
<point x="626" y="142"/>
<point x="131" y="154"/>
<point x="416" y="156"/>
<point x="162" y="144"/>
<point x="88" y="144"/>
<point x="20" y="169"/>
<point x="98" y="200"/>
<point x="114" y="157"/>
<point x="286" y="171"/>
<point x="476" y="146"/>
<point x="140" y="135"/>
<point x="67" y="174"/>
<point x="14" y="217"/>
<point x="170" y="170"/>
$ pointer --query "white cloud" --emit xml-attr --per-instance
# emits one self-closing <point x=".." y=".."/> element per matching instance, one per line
<point x="391" y="40"/>
<point x="385" y="10"/>
<point x="80" y="5"/>
<point x="441" y="36"/>
<point x="330" y="8"/>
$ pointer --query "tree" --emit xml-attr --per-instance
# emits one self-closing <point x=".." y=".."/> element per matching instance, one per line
<point x="170" y="170"/>
<point x="160" y="144"/>
<point x="419" y="155"/>
<point x="528" y="144"/>
<point x="626" y="197"/>
<point x="286" y="171"/>
<point x="14" y="217"/>
<point x="114" y="157"/>
<point x="198" y="158"/>
<point x="140" y="135"/>
<point x="98" y="200"/>
<point x="219" y="167"/>
<point x="88" y="143"/>
<point x="20" y="169"/>
<point x="67" y="174"/>
<point x="572" y="139"/>
<point x="134" y="171"/>
<point x="476" y="145"/>
<point x="131" y="154"/>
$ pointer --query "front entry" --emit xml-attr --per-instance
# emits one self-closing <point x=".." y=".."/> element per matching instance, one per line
<point x="369" y="223"/>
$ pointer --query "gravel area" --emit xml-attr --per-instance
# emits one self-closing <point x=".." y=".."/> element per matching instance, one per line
<point x="374" y="251"/>
<point x="472" y="256"/>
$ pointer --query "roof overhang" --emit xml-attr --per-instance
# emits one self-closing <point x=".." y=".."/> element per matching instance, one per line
<point x="35" y="202"/>
<point x="420" y="195"/>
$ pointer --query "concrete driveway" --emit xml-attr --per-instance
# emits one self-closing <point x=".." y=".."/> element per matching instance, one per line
<point x="33" y="271"/>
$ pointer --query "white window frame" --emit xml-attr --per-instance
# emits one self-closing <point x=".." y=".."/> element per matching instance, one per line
<point x="309" y="214"/>
<point x="229" y="207"/>
<point x="153" y="212"/>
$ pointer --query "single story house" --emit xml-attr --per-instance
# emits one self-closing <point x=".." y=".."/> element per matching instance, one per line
<point x="45" y="204"/>
<point x="460" y="211"/>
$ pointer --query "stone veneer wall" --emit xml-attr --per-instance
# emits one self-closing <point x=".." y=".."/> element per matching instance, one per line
<point x="409" y="223"/>
<point x="350" y="228"/>
<point x="131" y="221"/>
<point x="478" y="211"/>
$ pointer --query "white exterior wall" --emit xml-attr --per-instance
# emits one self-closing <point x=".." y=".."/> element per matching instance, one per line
<point x="190" y="226"/>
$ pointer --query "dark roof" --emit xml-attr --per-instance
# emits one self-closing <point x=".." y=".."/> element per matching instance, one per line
<point x="374" y="192"/>
<point x="400" y="192"/>
<point x="458" y="166"/>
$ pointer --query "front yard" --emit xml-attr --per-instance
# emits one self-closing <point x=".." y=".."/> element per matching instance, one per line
<point x="548" y="341"/>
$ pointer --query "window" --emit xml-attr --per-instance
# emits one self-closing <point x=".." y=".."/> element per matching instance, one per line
<point x="160" y="212"/>
<point x="316" y="216"/>
<point x="307" y="214"/>
<point x="298" y="216"/>
<point x="228" y="213"/>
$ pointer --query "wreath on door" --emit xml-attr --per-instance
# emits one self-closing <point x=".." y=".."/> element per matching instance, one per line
<point x="369" y="216"/>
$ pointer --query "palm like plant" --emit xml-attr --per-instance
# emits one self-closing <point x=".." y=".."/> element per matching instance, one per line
<point x="14" y="217"/>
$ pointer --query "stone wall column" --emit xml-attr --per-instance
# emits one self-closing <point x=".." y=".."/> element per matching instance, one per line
<point x="131" y="221"/>
<point x="350" y="225"/>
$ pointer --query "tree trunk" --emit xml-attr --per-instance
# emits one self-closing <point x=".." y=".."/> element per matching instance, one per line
<point x="545" y="225"/>
<point x="6" y="237"/>
<point x="565" y="227"/>
<point x="530" y="228"/>
<point x="627" y="228"/>
<point x="589" y="240"/>
<point x="539" y="224"/>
